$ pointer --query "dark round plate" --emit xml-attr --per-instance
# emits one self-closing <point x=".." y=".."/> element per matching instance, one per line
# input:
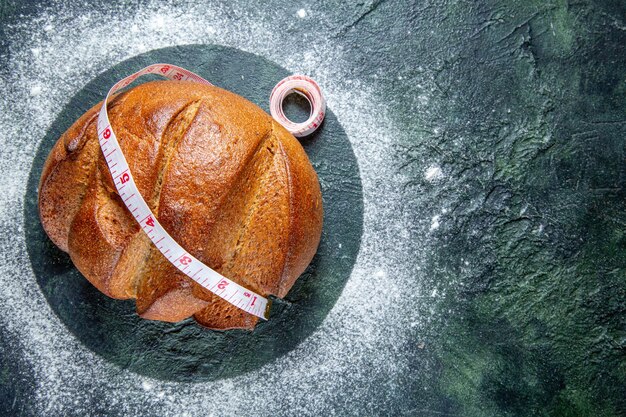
<point x="185" y="351"/>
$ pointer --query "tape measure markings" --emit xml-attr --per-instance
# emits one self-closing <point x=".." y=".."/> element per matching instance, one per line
<point x="306" y="87"/>
<point x="223" y="287"/>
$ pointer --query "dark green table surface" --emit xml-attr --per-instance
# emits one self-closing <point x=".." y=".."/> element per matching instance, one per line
<point x="500" y="216"/>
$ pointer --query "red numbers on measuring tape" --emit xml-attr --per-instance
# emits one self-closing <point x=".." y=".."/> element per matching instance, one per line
<point x="247" y="294"/>
<point x="123" y="179"/>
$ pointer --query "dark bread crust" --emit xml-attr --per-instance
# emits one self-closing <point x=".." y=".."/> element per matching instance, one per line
<point x="305" y="209"/>
<point x="232" y="186"/>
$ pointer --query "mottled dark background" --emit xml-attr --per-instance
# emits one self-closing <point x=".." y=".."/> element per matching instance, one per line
<point x="528" y="120"/>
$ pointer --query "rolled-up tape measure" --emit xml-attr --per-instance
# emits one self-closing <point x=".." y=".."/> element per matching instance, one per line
<point x="307" y="88"/>
<point x="189" y="265"/>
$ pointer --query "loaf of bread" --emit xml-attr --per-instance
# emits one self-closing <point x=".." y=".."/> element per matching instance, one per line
<point x="230" y="185"/>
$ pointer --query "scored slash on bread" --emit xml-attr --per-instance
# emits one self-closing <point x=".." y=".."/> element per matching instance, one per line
<point x="228" y="183"/>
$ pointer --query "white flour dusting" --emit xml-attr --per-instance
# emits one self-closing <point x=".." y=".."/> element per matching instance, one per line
<point x="434" y="222"/>
<point x="358" y="342"/>
<point x="433" y="173"/>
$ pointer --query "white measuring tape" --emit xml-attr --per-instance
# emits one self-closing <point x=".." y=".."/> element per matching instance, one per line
<point x="307" y="88"/>
<point x="230" y="291"/>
